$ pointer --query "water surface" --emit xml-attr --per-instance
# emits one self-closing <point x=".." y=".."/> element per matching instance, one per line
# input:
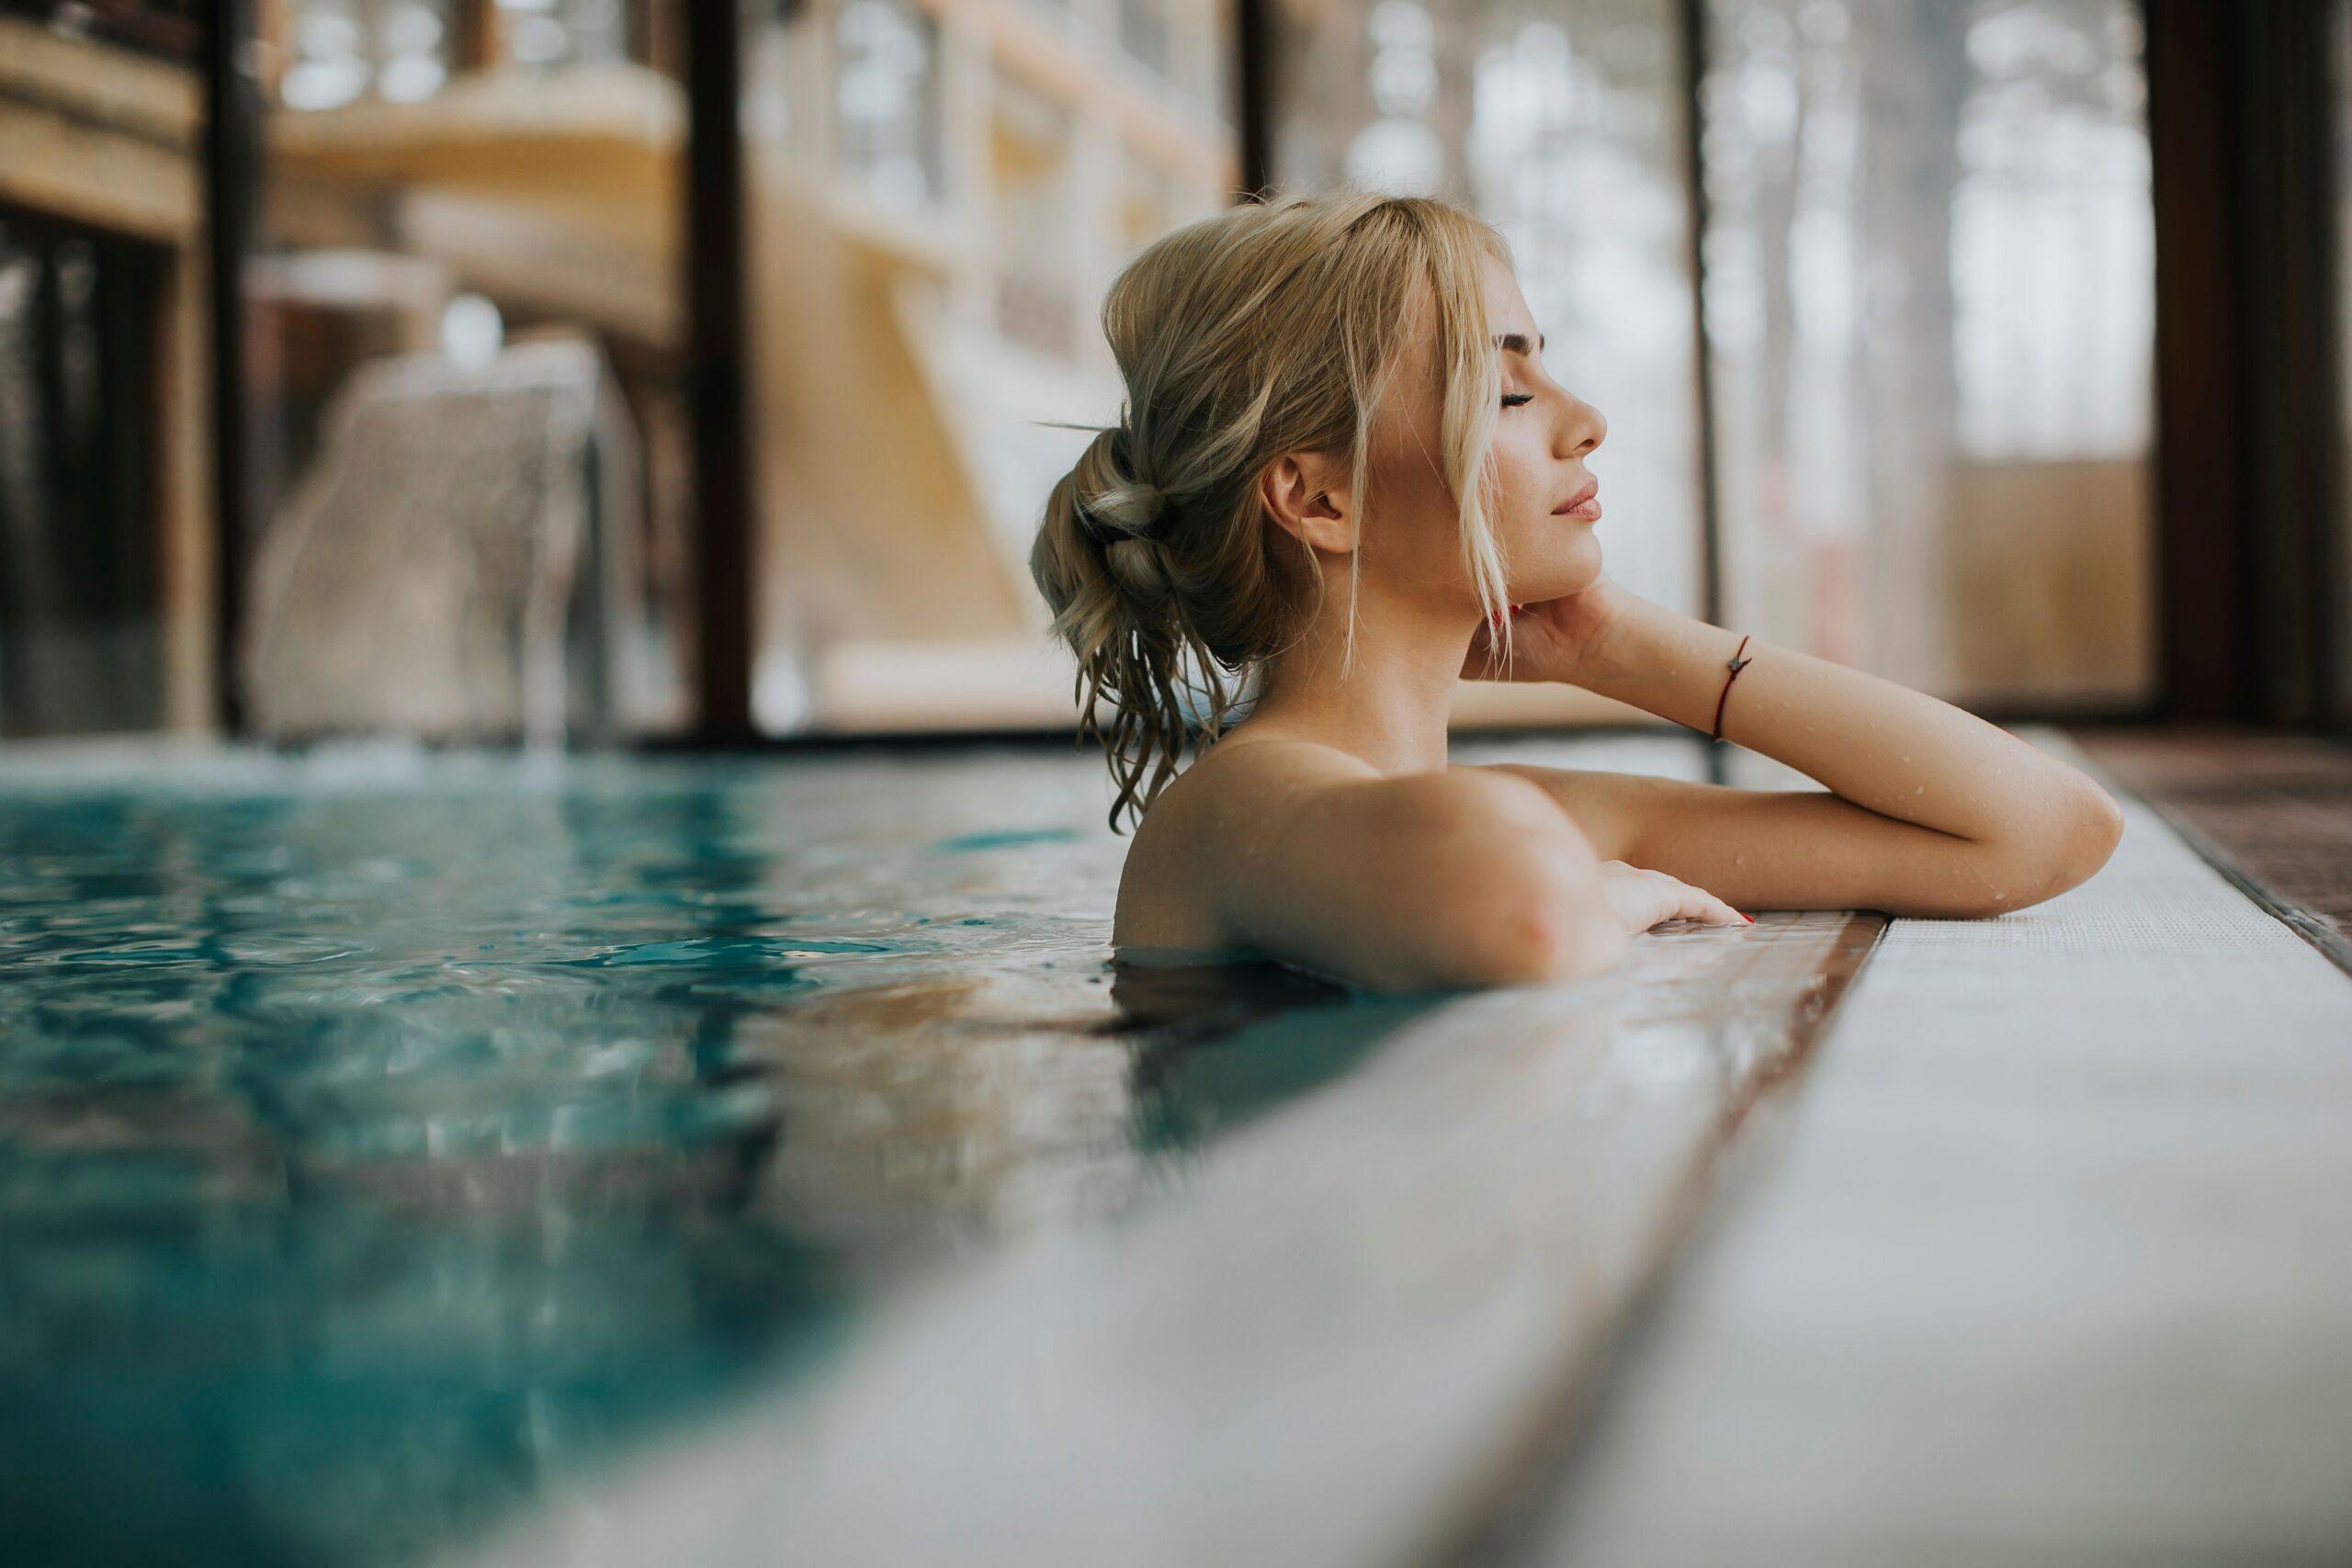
<point x="384" y="1137"/>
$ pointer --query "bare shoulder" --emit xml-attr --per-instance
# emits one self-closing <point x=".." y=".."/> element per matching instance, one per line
<point x="1266" y="817"/>
<point x="1205" y="819"/>
<point x="1453" y="875"/>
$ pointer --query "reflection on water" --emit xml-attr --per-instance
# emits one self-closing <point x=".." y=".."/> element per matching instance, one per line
<point x="378" y="1143"/>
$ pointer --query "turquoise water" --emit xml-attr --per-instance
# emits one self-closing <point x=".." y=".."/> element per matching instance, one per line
<point x="384" y="1137"/>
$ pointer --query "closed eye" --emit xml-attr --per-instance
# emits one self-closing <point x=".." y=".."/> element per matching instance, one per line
<point x="1512" y="400"/>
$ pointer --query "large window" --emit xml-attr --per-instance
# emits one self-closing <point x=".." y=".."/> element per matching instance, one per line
<point x="1896" y="304"/>
<point x="1927" y="297"/>
<point x="940" y="194"/>
<point x="1929" y="301"/>
<point x="469" y="461"/>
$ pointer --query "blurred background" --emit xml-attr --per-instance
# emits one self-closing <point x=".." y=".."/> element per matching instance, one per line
<point x="627" y="370"/>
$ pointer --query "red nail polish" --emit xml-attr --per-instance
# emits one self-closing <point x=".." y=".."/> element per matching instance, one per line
<point x="1749" y="918"/>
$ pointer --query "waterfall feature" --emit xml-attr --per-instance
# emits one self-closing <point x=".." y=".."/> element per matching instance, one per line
<point x="457" y="563"/>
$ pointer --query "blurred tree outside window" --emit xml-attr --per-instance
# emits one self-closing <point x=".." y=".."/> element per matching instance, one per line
<point x="1143" y="30"/>
<point x="1930" y="304"/>
<point x="1928" y="298"/>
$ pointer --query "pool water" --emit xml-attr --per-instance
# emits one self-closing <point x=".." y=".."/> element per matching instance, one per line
<point x="385" y="1137"/>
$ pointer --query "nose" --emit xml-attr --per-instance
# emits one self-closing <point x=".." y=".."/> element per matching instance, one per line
<point x="1585" y="427"/>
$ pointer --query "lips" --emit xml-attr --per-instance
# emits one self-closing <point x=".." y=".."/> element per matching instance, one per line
<point x="1586" y="503"/>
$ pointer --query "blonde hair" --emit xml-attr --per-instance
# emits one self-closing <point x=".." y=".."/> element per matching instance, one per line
<point x="1269" y="328"/>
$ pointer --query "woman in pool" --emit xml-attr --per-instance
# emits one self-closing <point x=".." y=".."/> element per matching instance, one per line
<point x="1349" y="385"/>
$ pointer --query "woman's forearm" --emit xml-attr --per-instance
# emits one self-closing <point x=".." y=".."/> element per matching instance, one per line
<point x="1879" y="744"/>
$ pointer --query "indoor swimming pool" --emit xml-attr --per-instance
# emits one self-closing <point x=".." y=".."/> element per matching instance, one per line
<point x="384" y="1136"/>
<point x="455" y="1160"/>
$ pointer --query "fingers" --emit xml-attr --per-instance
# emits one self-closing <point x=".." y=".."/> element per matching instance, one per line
<point x="1647" y="898"/>
<point x="1698" y="904"/>
<point x="1685" y="902"/>
<point x="1688" y="903"/>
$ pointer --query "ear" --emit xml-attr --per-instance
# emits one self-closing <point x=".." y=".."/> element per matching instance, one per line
<point x="1306" y="494"/>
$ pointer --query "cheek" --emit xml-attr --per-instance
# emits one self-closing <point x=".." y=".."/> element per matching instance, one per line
<point x="1413" y="519"/>
<point x="1523" y="482"/>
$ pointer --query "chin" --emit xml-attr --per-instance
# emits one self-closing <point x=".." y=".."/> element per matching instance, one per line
<point x="1558" y="572"/>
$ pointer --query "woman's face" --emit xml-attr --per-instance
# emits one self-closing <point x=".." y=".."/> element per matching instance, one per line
<point x="1543" y="433"/>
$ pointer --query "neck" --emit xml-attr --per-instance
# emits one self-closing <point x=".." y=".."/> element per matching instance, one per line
<point x="1390" y="705"/>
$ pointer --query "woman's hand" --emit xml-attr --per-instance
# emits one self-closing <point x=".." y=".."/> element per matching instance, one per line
<point x="1550" y="640"/>
<point x="1642" y="898"/>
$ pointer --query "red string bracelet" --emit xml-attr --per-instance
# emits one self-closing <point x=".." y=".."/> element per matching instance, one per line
<point x="1736" y="665"/>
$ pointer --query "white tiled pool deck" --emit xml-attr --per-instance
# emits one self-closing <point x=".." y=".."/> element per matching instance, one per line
<point x="2057" y="1268"/>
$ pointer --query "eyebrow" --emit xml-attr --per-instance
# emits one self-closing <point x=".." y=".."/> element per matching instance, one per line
<point x="1516" y="343"/>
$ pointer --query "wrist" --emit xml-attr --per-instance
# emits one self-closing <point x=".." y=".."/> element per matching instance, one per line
<point x="1667" y="663"/>
<point x="1613" y="651"/>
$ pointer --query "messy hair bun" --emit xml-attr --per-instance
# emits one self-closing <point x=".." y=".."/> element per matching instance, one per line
<point x="1269" y="328"/>
<point x="1119" y="510"/>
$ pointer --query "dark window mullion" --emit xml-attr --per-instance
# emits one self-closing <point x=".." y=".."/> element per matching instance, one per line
<point x="232" y="173"/>
<point x="726" y="583"/>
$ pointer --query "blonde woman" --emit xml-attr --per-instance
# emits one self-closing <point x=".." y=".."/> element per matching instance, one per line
<point x="1343" y="470"/>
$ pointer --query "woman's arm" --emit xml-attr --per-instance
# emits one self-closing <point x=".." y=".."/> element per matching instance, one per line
<point x="1932" y="810"/>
